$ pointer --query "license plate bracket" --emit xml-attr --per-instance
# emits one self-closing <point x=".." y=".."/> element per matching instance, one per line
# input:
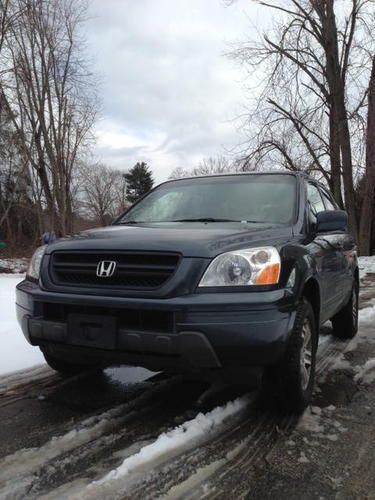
<point x="92" y="330"/>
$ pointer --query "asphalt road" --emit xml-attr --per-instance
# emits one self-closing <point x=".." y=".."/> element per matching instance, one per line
<point x="58" y="437"/>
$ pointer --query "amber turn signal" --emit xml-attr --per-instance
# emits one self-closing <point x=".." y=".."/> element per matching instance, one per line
<point x="269" y="275"/>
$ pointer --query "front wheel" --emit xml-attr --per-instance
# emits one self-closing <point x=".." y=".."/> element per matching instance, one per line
<point x="65" y="368"/>
<point x="292" y="380"/>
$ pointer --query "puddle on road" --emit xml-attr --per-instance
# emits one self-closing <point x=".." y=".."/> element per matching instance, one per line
<point x="129" y="374"/>
<point x="338" y="389"/>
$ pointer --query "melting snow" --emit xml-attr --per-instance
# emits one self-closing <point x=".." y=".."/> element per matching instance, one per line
<point x="366" y="265"/>
<point x="13" y="265"/>
<point x="310" y="422"/>
<point x="366" y="373"/>
<point x="179" y="437"/>
<point x="303" y="459"/>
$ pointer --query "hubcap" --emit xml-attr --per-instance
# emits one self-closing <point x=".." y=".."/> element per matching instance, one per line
<point x="306" y="354"/>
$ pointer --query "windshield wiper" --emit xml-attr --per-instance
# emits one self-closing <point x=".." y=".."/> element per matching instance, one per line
<point x="131" y="222"/>
<point x="205" y="219"/>
<point x="201" y="219"/>
<point x="211" y="219"/>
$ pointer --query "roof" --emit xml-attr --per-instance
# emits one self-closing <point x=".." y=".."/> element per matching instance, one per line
<point x="232" y="174"/>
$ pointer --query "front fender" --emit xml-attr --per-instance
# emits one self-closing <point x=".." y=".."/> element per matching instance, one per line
<point x="299" y="261"/>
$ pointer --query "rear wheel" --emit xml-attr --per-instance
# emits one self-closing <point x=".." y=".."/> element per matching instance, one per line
<point x="345" y="322"/>
<point x="65" y="368"/>
<point x="291" y="382"/>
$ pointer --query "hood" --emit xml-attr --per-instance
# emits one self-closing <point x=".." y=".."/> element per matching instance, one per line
<point x="189" y="239"/>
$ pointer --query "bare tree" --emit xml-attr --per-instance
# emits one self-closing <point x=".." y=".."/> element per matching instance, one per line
<point x="46" y="90"/>
<point x="208" y="166"/>
<point x="367" y="209"/>
<point x="313" y="67"/>
<point x="103" y="192"/>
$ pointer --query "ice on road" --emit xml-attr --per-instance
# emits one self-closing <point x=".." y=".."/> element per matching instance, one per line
<point x="15" y="352"/>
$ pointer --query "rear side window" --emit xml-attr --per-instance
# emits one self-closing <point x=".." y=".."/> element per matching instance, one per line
<point x="315" y="199"/>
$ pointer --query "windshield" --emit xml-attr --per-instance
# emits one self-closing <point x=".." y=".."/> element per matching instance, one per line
<point x="241" y="198"/>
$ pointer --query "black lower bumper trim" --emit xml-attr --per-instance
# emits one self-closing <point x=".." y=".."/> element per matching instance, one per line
<point x="193" y="347"/>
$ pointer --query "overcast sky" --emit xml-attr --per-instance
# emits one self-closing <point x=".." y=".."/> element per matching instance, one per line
<point x="169" y="95"/>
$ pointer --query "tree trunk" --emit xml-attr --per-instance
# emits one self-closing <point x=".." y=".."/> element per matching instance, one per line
<point x="339" y="117"/>
<point x="367" y="208"/>
<point x="335" y="159"/>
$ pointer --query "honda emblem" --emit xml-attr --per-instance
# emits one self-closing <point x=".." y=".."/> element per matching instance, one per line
<point x="105" y="268"/>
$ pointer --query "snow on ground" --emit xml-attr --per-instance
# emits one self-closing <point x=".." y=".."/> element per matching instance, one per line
<point x="15" y="266"/>
<point x="168" y="444"/>
<point x="366" y="373"/>
<point x="15" y="352"/>
<point x="179" y="437"/>
<point x="366" y="265"/>
<point x="23" y="463"/>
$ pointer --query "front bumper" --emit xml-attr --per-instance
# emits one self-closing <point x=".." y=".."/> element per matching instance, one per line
<point x="189" y="332"/>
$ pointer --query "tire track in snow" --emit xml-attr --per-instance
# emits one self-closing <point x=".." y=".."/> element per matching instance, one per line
<point x="227" y="464"/>
<point x="202" y="428"/>
<point x="125" y="485"/>
<point x="27" y="471"/>
<point x="21" y="384"/>
<point x="19" y="471"/>
<point x="133" y="431"/>
<point x="41" y="470"/>
<point x="238" y="449"/>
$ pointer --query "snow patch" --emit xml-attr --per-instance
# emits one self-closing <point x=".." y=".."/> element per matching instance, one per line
<point x="330" y="408"/>
<point x="331" y="437"/>
<point x="341" y="364"/>
<point x="15" y="353"/>
<point x="367" y="316"/>
<point x="303" y="458"/>
<point x="16" y="472"/>
<point x="181" y="437"/>
<point x="310" y="422"/>
<point x="14" y="266"/>
<point x="366" y="265"/>
<point x="366" y="373"/>
<point x="366" y="331"/>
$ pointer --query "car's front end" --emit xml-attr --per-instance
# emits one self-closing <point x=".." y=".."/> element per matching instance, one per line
<point x="168" y="295"/>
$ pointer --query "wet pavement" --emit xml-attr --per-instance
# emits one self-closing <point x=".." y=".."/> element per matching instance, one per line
<point x="59" y="437"/>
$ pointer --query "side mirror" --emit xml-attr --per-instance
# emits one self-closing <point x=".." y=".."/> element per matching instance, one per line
<point x="331" y="220"/>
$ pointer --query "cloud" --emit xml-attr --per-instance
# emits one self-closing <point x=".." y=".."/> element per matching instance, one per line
<point x="169" y="95"/>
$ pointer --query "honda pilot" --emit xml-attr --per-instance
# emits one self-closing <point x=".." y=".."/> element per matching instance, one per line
<point x="227" y="274"/>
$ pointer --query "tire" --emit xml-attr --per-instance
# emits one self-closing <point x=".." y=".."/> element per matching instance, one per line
<point x="291" y="382"/>
<point x="345" y="322"/>
<point x="67" y="369"/>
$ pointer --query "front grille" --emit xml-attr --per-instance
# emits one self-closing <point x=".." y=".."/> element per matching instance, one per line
<point x="146" y="270"/>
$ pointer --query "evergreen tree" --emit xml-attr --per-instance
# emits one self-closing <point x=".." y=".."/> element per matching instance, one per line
<point x="139" y="181"/>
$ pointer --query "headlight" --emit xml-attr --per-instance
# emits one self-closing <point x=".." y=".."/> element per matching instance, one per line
<point x="252" y="266"/>
<point x="35" y="263"/>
